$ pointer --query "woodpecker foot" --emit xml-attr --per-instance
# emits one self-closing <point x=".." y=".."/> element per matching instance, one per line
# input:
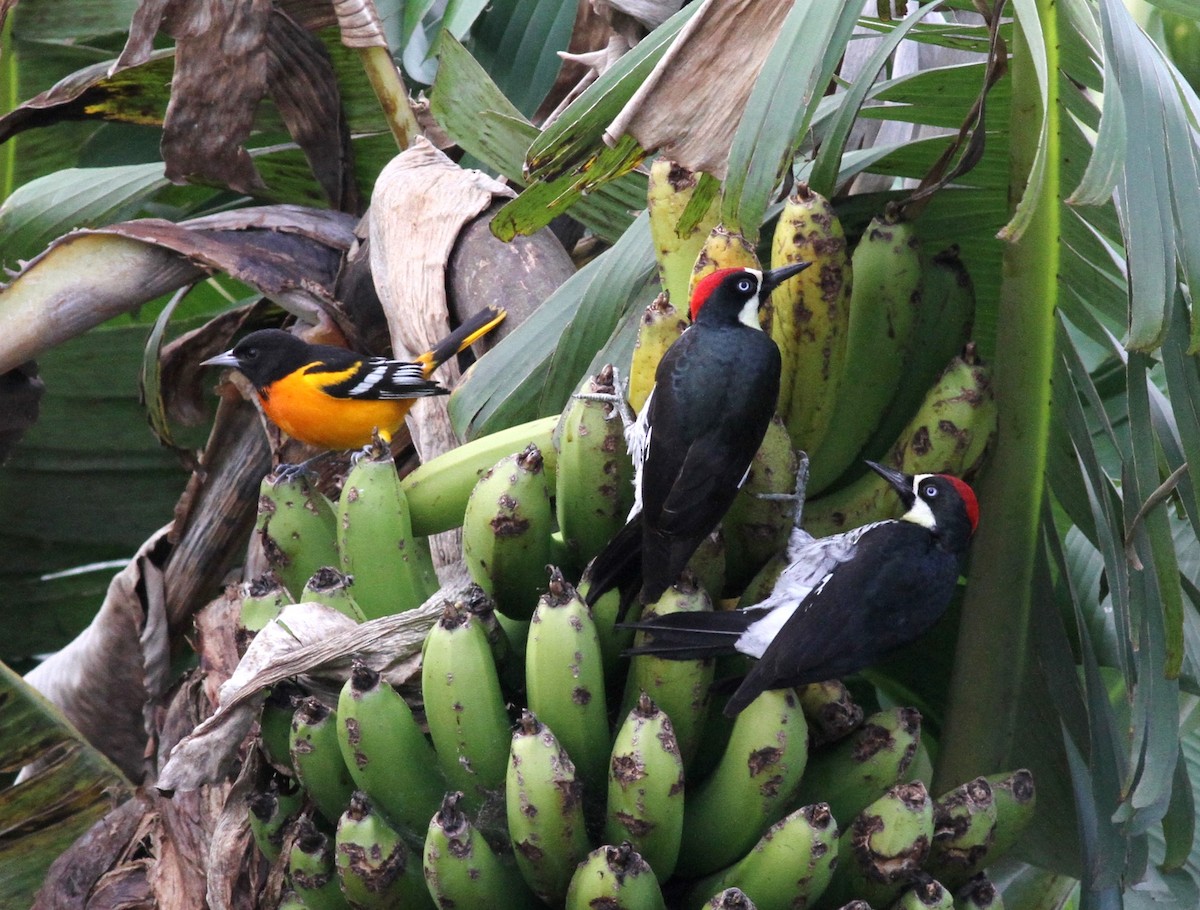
<point x="617" y="399"/>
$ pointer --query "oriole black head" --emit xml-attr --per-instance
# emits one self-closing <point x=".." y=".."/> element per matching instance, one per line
<point x="268" y="355"/>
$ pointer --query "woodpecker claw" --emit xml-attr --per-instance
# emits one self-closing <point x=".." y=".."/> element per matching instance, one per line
<point x="617" y="398"/>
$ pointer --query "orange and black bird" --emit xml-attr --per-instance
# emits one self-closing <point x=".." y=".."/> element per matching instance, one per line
<point x="333" y="398"/>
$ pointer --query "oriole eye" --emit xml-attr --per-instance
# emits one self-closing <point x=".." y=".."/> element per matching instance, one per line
<point x="250" y="353"/>
<point x="745" y="285"/>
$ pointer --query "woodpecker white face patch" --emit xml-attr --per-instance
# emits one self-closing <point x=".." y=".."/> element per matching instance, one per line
<point x="749" y="312"/>
<point x="920" y="513"/>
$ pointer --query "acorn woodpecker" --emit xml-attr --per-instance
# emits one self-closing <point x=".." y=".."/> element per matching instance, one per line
<point x="844" y="602"/>
<point x="714" y="393"/>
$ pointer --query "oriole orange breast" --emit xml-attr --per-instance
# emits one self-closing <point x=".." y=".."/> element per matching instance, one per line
<point x="333" y="398"/>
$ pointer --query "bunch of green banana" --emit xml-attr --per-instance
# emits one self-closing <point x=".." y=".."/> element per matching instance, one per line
<point x="645" y="788"/>
<point x="544" y="805"/>
<point x="262" y="599"/>
<point x="661" y="326"/>
<point x="670" y="190"/>
<point x="594" y="484"/>
<point x="384" y="751"/>
<point x="392" y="568"/>
<point x="464" y="706"/>
<point x="616" y="877"/>
<point x="330" y="587"/>
<point x="317" y="758"/>
<point x="375" y="867"/>
<point x="461" y="868"/>
<point x="789" y="867"/>
<point x="311" y="870"/>
<point x="808" y="316"/>
<point x="506" y="532"/>
<point x="298" y="529"/>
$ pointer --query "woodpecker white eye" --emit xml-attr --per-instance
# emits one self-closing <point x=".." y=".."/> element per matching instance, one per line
<point x="745" y="285"/>
<point x="930" y="491"/>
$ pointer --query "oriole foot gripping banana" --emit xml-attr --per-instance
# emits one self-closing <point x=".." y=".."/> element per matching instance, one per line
<point x="614" y="877"/>
<point x="661" y="326"/>
<point x="262" y="599"/>
<point x="506" y="532"/>
<point x="669" y="190"/>
<point x="964" y="824"/>
<point x="564" y="676"/>
<point x="464" y="706"/>
<point x="462" y="870"/>
<point x="385" y="752"/>
<point x="544" y="805"/>
<point x="297" y="527"/>
<point x="645" y="788"/>
<point x="330" y="587"/>
<point x="376" y="869"/>
<point x="318" y="759"/>
<point x="311" y="868"/>
<point x="831" y="711"/>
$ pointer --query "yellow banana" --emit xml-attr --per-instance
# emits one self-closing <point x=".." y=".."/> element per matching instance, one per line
<point x="661" y="326"/>
<point x="722" y="249"/>
<point x="669" y="190"/>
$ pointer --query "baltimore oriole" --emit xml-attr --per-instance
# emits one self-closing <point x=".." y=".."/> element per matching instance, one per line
<point x="333" y="398"/>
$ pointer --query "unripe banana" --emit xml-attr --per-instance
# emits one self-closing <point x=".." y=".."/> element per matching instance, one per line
<point x="464" y="705"/>
<point x="262" y="599"/>
<point x="1016" y="799"/>
<point x="722" y="249"/>
<point x="707" y="565"/>
<point x="462" y="870"/>
<point x="376" y="869"/>
<point x="318" y="759"/>
<point x="883" y="312"/>
<point x="759" y="587"/>
<point x="790" y="866"/>
<point x="730" y="899"/>
<point x="544" y="804"/>
<point x="616" y="878"/>
<point x="506" y="532"/>
<point x="964" y="824"/>
<point x="808" y="316"/>
<point x="387" y="755"/>
<point x="271" y="810"/>
<point x="678" y="687"/>
<point x="756" y="529"/>
<point x="925" y="893"/>
<point x="858" y="770"/>
<point x="614" y="640"/>
<point x="298" y="529"/>
<point x="943" y="327"/>
<point x="661" y="326"/>
<point x="831" y="712"/>
<point x="392" y="568"/>
<point x="311" y="869"/>
<point x="669" y="190"/>
<point x="438" y="490"/>
<point x="275" y="724"/>
<point x="950" y="434"/>
<point x="291" y="901"/>
<point x="330" y="587"/>
<point x="978" y="894"/>
<point x="645" y="788"/>
<point x="758" y="773"/>
<point x="564" y="676"/>
<point x="594" y="484"/>
<point x="883" y="848"/>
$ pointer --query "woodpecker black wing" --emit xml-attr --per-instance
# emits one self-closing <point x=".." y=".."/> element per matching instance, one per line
<point x="894" y="589"/>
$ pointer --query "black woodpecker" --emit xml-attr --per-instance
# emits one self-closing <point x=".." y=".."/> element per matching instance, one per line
<point x="714" y="393"/>
<point x="844" y="602"/>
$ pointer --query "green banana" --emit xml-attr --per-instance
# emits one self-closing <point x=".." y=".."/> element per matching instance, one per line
<point x="884" y="846"/>
<point x="950" y="434"/>
<point x="617" y="878"/>
<point x="758" y="773"/>
<point x="262" y="599"/>
<point x="660" y="327"/>
<point x="461" y="868"/>
<point x="392" y="568"/>
<point x="722" y="249"/>
<point x="506" y="532"/>
<point x="438" y="490"/>
<point x="464" y="705"/>
<point x="707" y="565"/>
<point x="275" y="724"/>
<point x="925" y="893"/>
<point x="856" y="771"/>
<point x="613" y="640"/>
<point x="669" y="190"/>
<point x="645" y="788"/>
<point x="678" y="687"/>
<point x="759" y="587"/>
<point x="831" y="711"/>
<point x="291" y="901"/>
<point x="790" y="866"/>
<point x="564" y="676"/>
<point x="1016" y="799"/>
<point x="978" y="894"/>
<point x="544" y="806"/>
<point x="943" y="328"/>
<point x="594" y="483"/>
<point x="318" y="759"/>
<point x="883" y="313"/>
<point x="387" y="755"/>
<point x="311" y="869"/>
<point x="964" y="824"/>
<point x="298" y="529"/>
<point x="730" y="899"/>
<point x="756" y="529"/>
<point x="271" y="809"/>
<point x="376" y="869"/>
<point x="330" y="587"/>
<point x="809" y="315"/>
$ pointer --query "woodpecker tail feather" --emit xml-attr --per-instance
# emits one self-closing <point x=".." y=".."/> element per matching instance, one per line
<point x="464" y="336"/>
<point x="692" y="636"/>
<point x="618" y="565"/>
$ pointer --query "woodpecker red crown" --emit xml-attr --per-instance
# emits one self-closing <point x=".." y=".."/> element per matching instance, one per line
<point x="968" y="498"/>
<point x="704" y="288"/>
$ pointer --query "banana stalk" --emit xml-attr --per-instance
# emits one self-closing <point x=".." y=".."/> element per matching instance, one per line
<point x="298" y="529"/>
<point x="376" y="869"/>
<point x="617" y="878"/>
<point x="318" y="759"/>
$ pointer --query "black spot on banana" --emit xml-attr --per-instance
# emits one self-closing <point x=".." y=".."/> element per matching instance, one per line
<point x="376" y="868"/>
<point x="298" y="529"/>
<point x="614" y="877"/>
<point x="978" y="894"/>
<point x="730" y="899"/>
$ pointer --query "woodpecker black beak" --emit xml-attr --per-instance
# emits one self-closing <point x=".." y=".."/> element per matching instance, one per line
<point x="221" y="360"/>
<point x="902" y="483"/>
<point x="775" y="277"/>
